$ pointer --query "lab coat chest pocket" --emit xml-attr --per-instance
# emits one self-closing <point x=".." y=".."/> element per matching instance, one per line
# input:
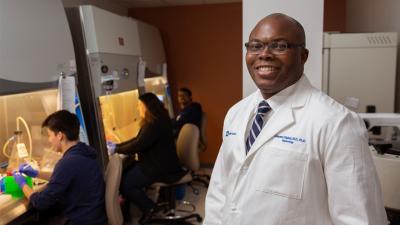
<point x="284" y="172"/>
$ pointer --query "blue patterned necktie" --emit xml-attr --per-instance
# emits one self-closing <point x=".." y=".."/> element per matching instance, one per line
<point x="257" y="125"/>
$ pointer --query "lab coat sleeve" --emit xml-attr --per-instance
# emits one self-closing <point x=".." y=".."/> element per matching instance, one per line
<point x="354" y="193"/>
<point x="215" y="199"/>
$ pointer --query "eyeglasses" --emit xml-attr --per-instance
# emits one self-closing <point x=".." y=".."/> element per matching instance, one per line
<point x="275" y="47"/>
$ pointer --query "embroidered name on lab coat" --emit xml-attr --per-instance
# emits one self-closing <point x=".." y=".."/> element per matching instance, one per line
<point x="290" y="139"/>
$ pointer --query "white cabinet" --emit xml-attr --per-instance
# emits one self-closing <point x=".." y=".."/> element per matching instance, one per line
<point x="361" y="67"/>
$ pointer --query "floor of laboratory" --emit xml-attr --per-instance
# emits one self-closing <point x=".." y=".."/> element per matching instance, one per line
<point x="197" y="200"/>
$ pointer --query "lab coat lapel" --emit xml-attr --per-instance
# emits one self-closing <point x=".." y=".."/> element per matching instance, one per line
<point x="247" y="112"/>
<point x="284" y="116"/>
<point x="281" y="119"/>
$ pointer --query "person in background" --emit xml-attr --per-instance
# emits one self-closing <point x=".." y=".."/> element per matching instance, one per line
<point x="158" y="160"/>
<point x="290" y="151"/>
<point x="76" y="184"/>
<point x="191" y="111"/>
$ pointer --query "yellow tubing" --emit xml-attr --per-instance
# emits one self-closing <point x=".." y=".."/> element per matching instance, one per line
<point x="28" y="132"/>
<point x="6" y="145"/>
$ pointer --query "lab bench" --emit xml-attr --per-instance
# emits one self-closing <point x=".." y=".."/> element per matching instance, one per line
<point x="15" y="211"/>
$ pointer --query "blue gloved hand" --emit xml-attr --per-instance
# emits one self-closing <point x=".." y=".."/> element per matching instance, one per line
<point x="111" y="147"/>
<point x="28" y="170"/>
<point x="19" y="179"/>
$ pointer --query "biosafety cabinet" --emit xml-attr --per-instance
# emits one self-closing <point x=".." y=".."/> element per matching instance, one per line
<point x="359" y="69"/>
<point x="153" y="65"/>
<point x="35" y="51"/>
<point x="113" y="54"/>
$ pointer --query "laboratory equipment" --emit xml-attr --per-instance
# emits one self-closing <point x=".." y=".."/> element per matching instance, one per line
<point x="35" y="50"/>
<point x="388" y="168"/>
<point x="30" y="67"/>
<point x="115" y="54"/>
<point x="359" y="69"/>
<point x="385" y="149"/>
<point x="12" y="188"/>
<point x="389" y="124"/>
<point x="153" y="65"/>
<point x="19" y="153"/>
<point x="21" y="117"/>
<point x="108" y="55"/>
<point x="159" y="86"/>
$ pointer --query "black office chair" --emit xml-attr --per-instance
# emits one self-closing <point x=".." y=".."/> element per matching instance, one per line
<point x="187" y="149"/>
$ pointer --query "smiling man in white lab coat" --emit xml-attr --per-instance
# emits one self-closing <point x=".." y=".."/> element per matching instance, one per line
<point x="290" y="154"/>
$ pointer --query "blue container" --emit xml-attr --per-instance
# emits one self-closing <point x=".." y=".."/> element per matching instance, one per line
<point x="2" y="187"/>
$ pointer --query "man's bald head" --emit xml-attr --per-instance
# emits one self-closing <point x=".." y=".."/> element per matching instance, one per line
<point x="289" y="21"/>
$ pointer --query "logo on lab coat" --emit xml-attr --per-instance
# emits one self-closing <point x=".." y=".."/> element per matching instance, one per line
<point x="227" y="133"/>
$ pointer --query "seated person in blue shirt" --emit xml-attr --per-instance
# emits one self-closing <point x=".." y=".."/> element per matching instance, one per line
<point x="191" y="111"/>
<point x="158" y="160"/>
<point x="77" y="182"/>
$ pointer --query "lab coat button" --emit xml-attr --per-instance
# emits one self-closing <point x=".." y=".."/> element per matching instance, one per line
<point x="233" y="209"/>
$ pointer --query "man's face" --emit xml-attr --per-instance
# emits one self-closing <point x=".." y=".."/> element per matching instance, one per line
<point x="54" y="139"/>
<point x="183" y="98"/>
<point x="273" y="72"/>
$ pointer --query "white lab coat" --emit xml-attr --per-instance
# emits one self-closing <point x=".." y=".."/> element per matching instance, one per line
<point x="310" y="165"/>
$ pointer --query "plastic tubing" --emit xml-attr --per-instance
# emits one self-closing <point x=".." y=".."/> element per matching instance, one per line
<point x="6" y="145"/>
<point x="28" y="132"/>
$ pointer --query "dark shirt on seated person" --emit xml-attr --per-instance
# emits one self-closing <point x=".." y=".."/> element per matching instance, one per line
<point x="77" y="183"/>
<point x="191" y="113"/>
<point x="155" y="146"/>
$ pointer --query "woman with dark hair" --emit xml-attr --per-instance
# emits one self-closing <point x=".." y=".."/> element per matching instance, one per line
<point x="157" y="161"/>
